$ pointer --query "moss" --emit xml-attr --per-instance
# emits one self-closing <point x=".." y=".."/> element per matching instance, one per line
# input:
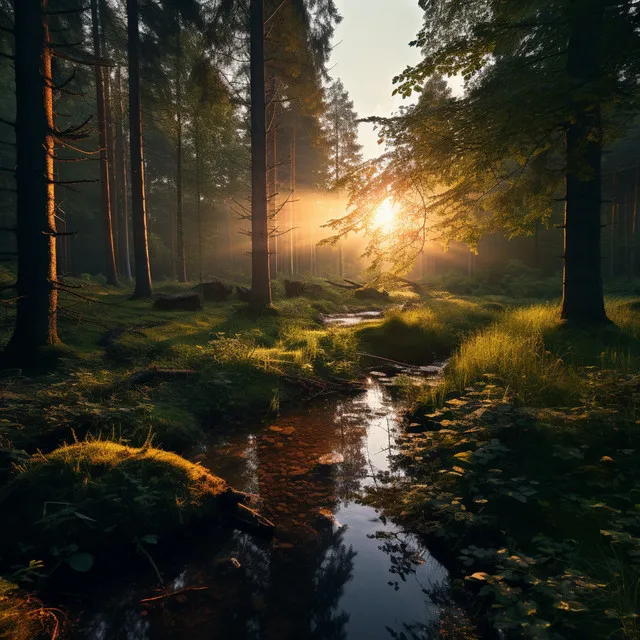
<point x="173" y="428"/>
<point x="421" y="334"/>
<point x="91" y="495"/>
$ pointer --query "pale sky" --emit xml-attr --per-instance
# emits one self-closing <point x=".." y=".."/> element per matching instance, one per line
<point x="374" y="47"/>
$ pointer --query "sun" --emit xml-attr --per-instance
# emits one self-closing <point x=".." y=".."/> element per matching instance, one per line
<point x="385" y="216"/>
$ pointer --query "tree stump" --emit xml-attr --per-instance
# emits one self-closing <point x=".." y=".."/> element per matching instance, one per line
<point x="293" y="288"/>
<point x="215" y="291"/>
<point x="189" y="301"/>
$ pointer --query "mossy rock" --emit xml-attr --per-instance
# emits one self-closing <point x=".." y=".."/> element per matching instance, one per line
<point x="95" y="495"/>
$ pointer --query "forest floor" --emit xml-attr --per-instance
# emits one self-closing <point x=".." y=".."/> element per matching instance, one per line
<point x="522" y="473"/>
<point x="521" y="463"/>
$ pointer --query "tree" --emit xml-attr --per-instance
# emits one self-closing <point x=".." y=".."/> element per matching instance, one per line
<point x="168" y="31"/>
<point x="36" y="319"/>
<point x="143" y="287"/>
<point x="110" y="258"/>
<point x="539" y="79"/>
<point x="341" y="124"/>
<point x="260" y="268"/>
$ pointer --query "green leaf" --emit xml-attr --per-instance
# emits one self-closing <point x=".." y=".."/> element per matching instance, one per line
<point x="150" y="538"/>
<point x="81" y="562"/>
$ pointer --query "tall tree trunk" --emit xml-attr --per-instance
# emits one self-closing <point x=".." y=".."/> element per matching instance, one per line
<point x="260" y="270"/>
<point x="138" y="205"/>
<point x="122" y="167"/>
<point x="634" y="225"/>
<point x="274" y="195"/>
<point x="198" y="196"/>
<point x="292" y="178"/>
<point x="36" y="319"/>
<point x="111" y="135"/>
<point x="105" y="189"/>
<point x="181" y="265"/>
<point x="583" y="296"/>
<point x="612" y="228"/>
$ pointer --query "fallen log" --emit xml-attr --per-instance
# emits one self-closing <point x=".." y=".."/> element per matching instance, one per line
<point x="369" y="293"/>
<point x="188" y="301"/>
<point x="349" y="287"/>
<point x="214" y="291"/>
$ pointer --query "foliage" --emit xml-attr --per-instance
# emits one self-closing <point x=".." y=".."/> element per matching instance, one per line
<point x="341" y="126"/>
<point x="523" y="468"/>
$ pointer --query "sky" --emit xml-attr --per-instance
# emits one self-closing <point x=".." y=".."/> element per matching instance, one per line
<point x="371" y="46"/>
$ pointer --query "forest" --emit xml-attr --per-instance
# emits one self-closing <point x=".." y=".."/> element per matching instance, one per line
<point x="262" y="380"/>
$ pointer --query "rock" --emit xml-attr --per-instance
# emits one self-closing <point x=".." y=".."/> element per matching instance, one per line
<point x="244" y="294"/>
<point x="293" y="288"/>
<point x="189" y="301"/>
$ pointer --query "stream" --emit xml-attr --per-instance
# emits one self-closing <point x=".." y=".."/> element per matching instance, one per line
<point x="336" y="569"/>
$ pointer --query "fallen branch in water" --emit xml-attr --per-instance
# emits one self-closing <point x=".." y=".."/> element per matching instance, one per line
<point x="249" y="520"/>
<point x="400" y="364"/>
<point x="171" y="594"/>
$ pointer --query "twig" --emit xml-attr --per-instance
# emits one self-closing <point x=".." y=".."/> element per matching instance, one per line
<point x="173" y="593"/>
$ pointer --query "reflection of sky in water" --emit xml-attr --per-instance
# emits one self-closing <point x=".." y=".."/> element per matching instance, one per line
<point x="334" y="572"/>
<point x="351" y="319"/>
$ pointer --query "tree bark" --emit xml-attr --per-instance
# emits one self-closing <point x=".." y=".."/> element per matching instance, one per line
<point x="105" y="187"/>
<point x="36" y="319"/>
<point x="143" y="287"/>
<point x="260" y="268"/>
<point x="198" y="196"/>
<point x="583" y="296"/>
<point x="121" y="155"/>
<point x="634" y="225"/>
<point x="181" y="266"/>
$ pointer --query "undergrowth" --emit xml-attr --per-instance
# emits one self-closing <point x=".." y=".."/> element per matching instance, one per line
<point x="524" y="474"/>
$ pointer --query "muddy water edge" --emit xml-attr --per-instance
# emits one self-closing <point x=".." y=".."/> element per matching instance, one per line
<point x="335" y="569"/>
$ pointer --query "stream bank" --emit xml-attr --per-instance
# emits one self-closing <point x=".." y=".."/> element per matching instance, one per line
<point x="335" y="569"/>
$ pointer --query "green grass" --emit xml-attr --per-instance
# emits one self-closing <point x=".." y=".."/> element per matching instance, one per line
<point x="420" y="335"/>
<point x="72" y="503"/>
<point x="526" y="476"/>
<point x="245" y="364"/>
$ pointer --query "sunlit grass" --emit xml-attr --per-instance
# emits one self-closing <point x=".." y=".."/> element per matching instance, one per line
<point x="430" y="331"/>
<point x="537" y="360"/>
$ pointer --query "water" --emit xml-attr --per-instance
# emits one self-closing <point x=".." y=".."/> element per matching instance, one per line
<point x="351" y="319"/>
<point x="335" y="570"/>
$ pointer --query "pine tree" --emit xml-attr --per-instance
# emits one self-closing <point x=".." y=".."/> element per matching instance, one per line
<point x="143" y="287"/>
<point x="260" y="267"/>
<point x="341" y="125"/>
<point x="36" y="319"/>
<point x="539" y="77"/>
<point x="105" y="172"/>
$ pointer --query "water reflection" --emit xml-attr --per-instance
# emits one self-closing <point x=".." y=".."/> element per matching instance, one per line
<point x="335" y="570"/>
